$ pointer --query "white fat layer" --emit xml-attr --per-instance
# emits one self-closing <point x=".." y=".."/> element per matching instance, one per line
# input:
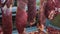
<point x="51" y="14"/>
<point x="20" y="5"/>
<point x="57" y="9"/>
<point x="3" y="1"/>
<point x="54" y="1"/>
<point x="6" y="10"/>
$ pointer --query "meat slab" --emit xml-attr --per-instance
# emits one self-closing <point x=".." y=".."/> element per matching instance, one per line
<point x="21" y="15"/>
<point x="31" y="10"/>
<point x="6" y="9"/>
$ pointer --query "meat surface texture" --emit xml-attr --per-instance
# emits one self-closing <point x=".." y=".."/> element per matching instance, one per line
<point x="21" y="16"/>
<point x="31" y="10"/>
<point x="7" y="17"/>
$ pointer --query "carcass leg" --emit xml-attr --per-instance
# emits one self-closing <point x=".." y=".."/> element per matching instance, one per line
<point x="7" y="17"/>
<point x="31" y="11"/>
<point x="21" y="16"/>
<point x="7" y="21"/>
<point x="41" y="16"/>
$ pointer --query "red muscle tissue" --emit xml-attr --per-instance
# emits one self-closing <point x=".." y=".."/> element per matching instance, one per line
<point x="6" y="16"/>
<point x="31" y="10"/>
<point x="21" y="16"/>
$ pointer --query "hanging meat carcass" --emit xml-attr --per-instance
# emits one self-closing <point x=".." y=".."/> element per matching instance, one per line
<point x="53" y="12"/>
<point x="41" y="17"/>
<point x="6" y="8"/>
<point x="49" y="9"/>
<point x="21" y="15"/>
<point x="31" y="11"/>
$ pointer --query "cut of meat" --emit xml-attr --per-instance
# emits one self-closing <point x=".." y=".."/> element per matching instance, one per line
<point x="21" y="16"/>
<point x="50" y="10"/>
<point x="52" y="5"/>
<point x="31" y="10"/>
<point x="7" y="18"/>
